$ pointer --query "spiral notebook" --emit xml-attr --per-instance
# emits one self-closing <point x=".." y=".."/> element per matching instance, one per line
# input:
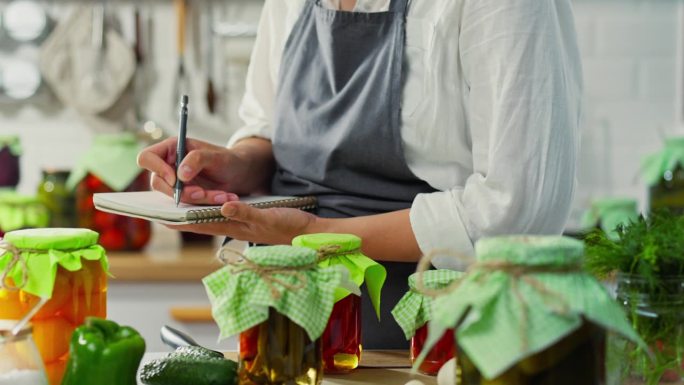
<point x="157" y="207"/>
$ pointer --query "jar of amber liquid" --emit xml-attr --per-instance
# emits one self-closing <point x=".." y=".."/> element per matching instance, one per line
<point x="279" y="352"/>
<point x="578" y="358"/>
<point x="75" y="294"/>
<point x="442" y="352"/>
<point x="117" y="233"/>
<point x="669" y="191"/>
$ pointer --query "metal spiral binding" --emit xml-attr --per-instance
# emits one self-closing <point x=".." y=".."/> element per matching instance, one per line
<point x="213" y="214"/>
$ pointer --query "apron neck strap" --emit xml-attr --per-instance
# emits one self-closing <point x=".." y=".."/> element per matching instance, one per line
<point x="398" y="6"/>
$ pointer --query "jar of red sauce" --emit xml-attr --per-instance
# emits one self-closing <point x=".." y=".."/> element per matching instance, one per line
<point x="341" y="339"/>
<point x="413" y="314"/>
<point x="110" y="166"/>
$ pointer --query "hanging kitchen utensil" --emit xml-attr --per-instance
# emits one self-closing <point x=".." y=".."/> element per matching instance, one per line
<point x="88" y="65"/>
<point x="182" y="84"/>
<point x="210" y="96"/>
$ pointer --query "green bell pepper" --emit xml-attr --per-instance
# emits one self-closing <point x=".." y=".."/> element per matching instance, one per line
<point x="105" y="353"/>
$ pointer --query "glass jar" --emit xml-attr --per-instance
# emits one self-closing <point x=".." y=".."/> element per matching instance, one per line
<point x="19" y="211"/>
<point x="76" y="293"/>
<point x="657" y="312"/>
<point x="668" y="192"/>
<point x="60" y="201"/>
<point x="278" y="351"/>
<point x="443" y="351"/>
<point x="20" y="362"/>
<point x="526" y="313"/>
<point x="578" y="358"/>
<point x="117" y="232"/>
<point x="9" y="159"/>
<point x="342" y="337"/>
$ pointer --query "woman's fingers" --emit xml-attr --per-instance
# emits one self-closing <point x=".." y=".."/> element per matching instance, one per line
<point x="241" y="212"/>
<point x="196" y="161"/>
<point x="154" y="158"/>
<point x="198" y="195"/>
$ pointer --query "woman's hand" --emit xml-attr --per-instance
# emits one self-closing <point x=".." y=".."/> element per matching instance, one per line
<point x="274" y="226"/>
<point x="211" y="174"/>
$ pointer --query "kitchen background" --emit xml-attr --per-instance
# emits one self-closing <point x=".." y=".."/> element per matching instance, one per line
<point x="632" y="53"/>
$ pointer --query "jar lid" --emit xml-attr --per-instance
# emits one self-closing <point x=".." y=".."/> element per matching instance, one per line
<point x="531" y="250"/>
<point x="284" y="256"/>
<point x="52" y="238"/>
<point x="346" y="242"/>
<point x="6" y="327"/>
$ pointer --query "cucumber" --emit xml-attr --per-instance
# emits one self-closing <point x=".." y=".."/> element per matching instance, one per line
<point x="193" y="367"/>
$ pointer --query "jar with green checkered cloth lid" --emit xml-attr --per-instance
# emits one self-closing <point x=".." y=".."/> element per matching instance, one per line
<point x="18" y="211"/>
<point x="342" y="337"/>
<point x="526" y="313"/>
<point x="413" y="313"/>
<point x="279" y="300"/>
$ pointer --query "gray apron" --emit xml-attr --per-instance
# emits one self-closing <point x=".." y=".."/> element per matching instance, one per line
<point x="337" y="130"/>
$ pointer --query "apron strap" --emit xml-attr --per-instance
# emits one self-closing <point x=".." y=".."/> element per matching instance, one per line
<point x="398" y="6"/>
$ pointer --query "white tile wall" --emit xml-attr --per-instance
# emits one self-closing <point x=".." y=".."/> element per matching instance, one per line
<point x="633" y="75"/>
<point x="631" y="51"/>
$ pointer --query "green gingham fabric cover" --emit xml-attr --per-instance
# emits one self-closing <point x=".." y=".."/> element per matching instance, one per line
<point x="361" y="268"/>
<point x="112" y="158"/>
<point x="653" y="167"/>
<point x="609" y="213"/>
<point x="19" y="211"/>
<point x="413" y="309"/>
<point x="58" y="247"/>
<point x="491" y="332"/>
<point x="241" y="300"/>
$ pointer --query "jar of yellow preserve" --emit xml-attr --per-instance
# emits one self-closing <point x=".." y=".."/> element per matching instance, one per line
<point x="18" y="211"/>
<point x="526" y="313"/>
<point x="342" y="337"/>
<point x="64" y="267"/>
<point x="278" y="300"/>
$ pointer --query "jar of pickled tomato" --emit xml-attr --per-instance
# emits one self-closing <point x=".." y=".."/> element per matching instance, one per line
<point x="413" y="314"/>
<point x="282" y="316"/>
<point x="64" y="266"/>
<point x="110" y="166"/>
<point x="342" y="337"/>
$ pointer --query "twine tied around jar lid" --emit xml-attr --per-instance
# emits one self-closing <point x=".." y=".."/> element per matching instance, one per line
<point x="329" y="251"/>
<point x="266" y="273"/>
<point x="518" y="272"/>
<point x="8" y="247"/>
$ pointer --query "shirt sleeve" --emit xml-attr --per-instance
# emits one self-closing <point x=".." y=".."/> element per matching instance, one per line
<point x="523" y="81"/>
<point x="256" y="108"/>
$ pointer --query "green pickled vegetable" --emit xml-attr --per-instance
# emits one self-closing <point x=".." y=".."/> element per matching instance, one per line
<point x="190" y="366"/>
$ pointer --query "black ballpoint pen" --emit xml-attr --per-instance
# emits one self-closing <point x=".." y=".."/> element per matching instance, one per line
<point x="180" y="147"/>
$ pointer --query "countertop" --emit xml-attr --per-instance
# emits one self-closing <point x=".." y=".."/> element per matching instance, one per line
<point x="389" y="367"/>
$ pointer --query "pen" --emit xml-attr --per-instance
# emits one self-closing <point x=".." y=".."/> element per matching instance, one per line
<point x="180" y="147"/>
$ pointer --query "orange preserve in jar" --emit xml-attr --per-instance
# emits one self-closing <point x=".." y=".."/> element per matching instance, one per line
<point x="342" y="337"/>
<point x="413" y="314"/>
<point x="61" y="271"/>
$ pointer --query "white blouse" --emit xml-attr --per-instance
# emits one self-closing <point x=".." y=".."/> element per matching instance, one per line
<point x="490" y="112"/>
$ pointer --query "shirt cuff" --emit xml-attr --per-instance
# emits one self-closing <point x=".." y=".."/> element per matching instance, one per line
<point x="258" y="131"/>
<point x="437" y="225"/>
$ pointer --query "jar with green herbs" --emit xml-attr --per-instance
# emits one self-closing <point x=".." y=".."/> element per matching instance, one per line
<point x="664" y="174"/>
<point x="282" y="316"/>
<point x="526" y="313"/>
<point x="657" y="312"/>
<point x="342" y="337"/>
<point x="57" y="198"/>
<point x="609" y="213"/>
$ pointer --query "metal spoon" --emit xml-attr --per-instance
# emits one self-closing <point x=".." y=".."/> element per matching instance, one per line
<point x="176" y="338"/>
<point x="27" y="317"/>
